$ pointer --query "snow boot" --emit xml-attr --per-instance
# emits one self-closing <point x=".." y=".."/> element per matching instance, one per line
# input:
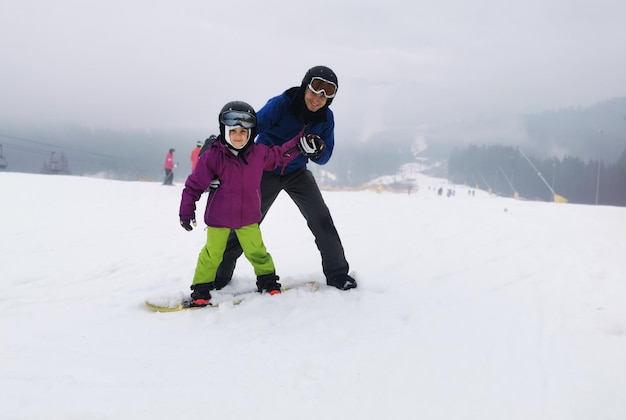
<point x="201" y="295"/>
<point x="342" y="282"/>
<point x="268" y="283"/>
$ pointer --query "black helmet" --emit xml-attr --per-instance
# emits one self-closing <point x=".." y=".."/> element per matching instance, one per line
<point x="238" y="113"/>
<point x="324" y="73"/>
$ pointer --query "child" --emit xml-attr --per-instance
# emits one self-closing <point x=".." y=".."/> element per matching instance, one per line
<point x="238" y="163"/>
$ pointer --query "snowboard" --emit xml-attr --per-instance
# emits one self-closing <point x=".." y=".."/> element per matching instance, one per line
<point x="176" y="304"/>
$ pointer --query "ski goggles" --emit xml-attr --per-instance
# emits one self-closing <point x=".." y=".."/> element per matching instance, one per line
<point x="319" y="85"/>
<point x="238" y="118"/>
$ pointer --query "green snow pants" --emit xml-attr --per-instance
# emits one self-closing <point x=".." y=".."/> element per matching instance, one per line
<point x="253" y="248"/>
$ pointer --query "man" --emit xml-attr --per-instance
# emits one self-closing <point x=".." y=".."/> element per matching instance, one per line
<point x="303" y="108"/>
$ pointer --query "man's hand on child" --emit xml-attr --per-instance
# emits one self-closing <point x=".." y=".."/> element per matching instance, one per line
<point x="214" y="184"/>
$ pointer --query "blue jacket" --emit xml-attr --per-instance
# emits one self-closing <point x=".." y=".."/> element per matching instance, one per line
<point x="284" y="116"/>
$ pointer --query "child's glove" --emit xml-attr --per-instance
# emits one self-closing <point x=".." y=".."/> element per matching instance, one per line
<point x="186" y="223"/>
<point x="311" y="146"/>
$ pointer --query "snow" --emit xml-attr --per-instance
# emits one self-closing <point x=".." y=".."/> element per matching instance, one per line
<point x="468" y="307"/>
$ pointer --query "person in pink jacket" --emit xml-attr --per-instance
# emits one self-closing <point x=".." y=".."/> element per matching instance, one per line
<point x="169" y="168"/>
<point x="194" y="155"/>
<point x="238" y="162"/>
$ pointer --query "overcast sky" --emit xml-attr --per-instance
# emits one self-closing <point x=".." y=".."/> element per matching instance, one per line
<point x="152" y="64"/>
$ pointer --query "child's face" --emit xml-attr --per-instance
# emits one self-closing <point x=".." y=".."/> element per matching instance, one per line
<point x="238" y="137"/>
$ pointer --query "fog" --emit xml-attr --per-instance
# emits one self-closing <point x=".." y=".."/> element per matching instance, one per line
<point x="151" y="65"/>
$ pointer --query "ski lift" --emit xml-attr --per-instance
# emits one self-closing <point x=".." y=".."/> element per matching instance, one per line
<point x="3" y="161"/>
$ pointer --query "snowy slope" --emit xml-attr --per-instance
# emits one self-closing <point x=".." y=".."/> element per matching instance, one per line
<point x="468" y="307"/>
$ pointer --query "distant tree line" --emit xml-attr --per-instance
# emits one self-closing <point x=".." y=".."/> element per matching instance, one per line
<point x="504" y="170"/>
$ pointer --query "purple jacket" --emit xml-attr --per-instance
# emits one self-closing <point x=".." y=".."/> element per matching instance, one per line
<point x="237" y="202"/>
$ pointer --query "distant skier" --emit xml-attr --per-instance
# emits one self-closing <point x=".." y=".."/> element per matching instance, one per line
<point x="195" y="154"/>
<point x="169" y="168"/>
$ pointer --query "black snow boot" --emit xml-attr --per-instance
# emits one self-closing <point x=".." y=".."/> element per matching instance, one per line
<point x="201" y="295"/>
<point x="342" y="282"/>
<point x="268" y="283"/>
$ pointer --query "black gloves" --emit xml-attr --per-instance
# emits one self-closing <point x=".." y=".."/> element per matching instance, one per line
<point x="311" y="146"/>
<point x="186" y="223"/>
